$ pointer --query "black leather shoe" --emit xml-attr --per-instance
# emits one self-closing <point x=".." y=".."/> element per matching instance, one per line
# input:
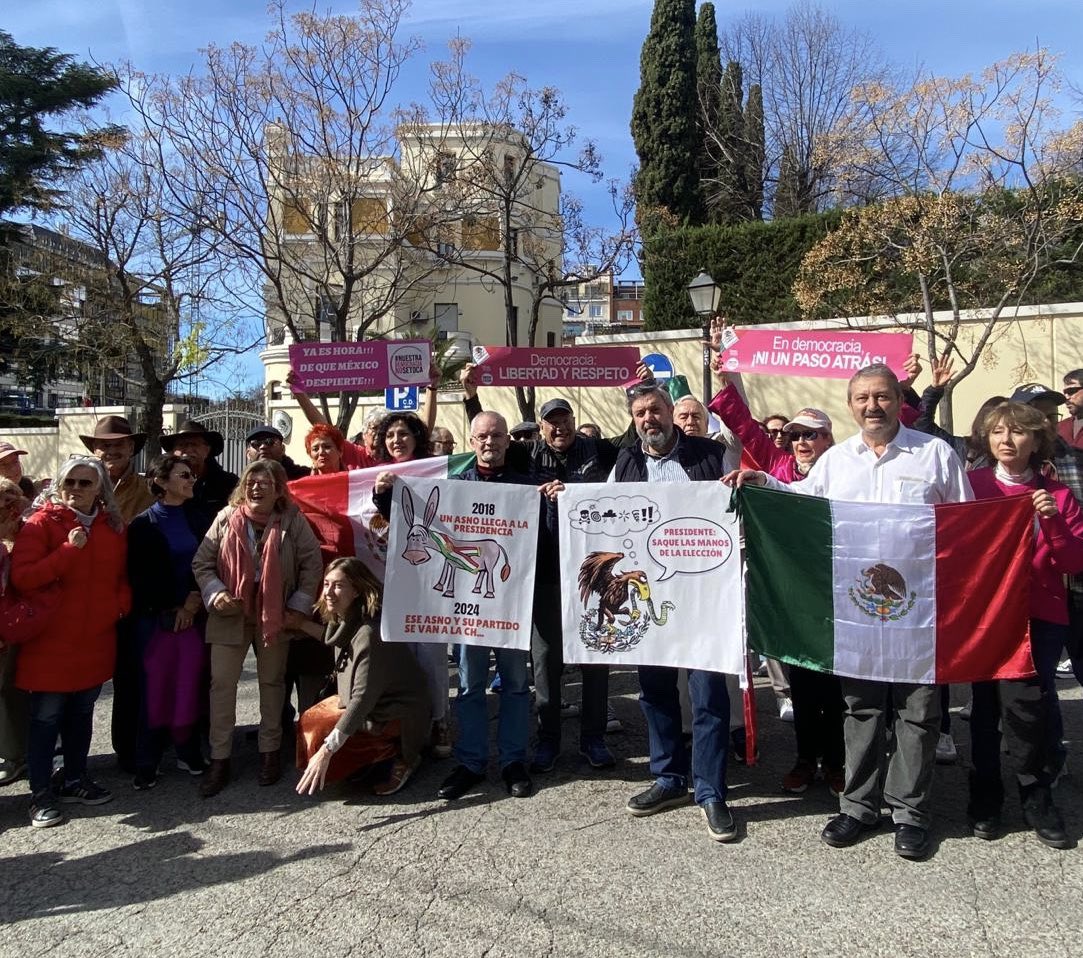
<point x="911" y="841"/>
<point x="986" y="827"/>
<point x="458" y="783"/>
<point x="516" y="780"/>
<point x="720" y="823"/>
<point x="845" y="830"/>
<point x="657" y="798"/>
<point x="1041" y="814"/>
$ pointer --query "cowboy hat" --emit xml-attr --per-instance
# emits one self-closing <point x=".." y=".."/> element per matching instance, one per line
<point x="114" y="427"/>
<point x="192" y="428"/>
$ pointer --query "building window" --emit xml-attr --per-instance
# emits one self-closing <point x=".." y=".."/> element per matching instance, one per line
<point x="595" y="311"/>
<point x="625" y="316"/>
<point x="550" y="339"/>
<point x="513" y="242"/>
<point x="481" y="233"/>
<point x="446" y="164"/>
<point x="369" y="215"/>
<point x="511" y="167"/>
<point x="295" y="219"/>
<point x="446" y="317"/>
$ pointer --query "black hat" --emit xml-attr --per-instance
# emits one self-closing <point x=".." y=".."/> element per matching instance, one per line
<point x="192" y="428"/>
<point x="555" y="405"/>
<point x="1036" y="392"/>
<point x="525" y="427"/>
<point x="264" y="431"/>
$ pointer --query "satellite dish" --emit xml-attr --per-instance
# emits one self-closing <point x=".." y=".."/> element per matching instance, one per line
<point x="283" y="423"/>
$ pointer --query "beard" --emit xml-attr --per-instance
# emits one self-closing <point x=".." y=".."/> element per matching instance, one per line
<point x="657" y="440"/>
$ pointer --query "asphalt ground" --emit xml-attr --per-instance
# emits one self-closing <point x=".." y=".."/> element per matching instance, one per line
<point x="263" y="871"/>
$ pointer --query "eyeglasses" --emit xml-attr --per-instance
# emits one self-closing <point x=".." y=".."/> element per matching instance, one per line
<point x="71" y="483"/>
<point x="775" y="433"/>
<point x="1071" y="390"/>
<point x="259" y="484"/>
<point x="807" y="436"/>
<point x="260" y="441"/>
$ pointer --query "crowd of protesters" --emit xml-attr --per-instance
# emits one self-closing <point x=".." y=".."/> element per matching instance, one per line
<point x="164" y="581"/>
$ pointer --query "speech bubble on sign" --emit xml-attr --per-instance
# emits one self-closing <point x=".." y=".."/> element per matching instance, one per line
<point x="613" y="515"/>
<point x="689" y="545"/>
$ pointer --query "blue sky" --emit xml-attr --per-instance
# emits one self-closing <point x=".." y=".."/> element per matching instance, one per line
<point x="589" y="49"/>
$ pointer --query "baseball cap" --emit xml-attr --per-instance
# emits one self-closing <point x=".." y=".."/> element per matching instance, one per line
<point x="555" y="405"/>
<point x="264" y="431"/>
<point x="7" y="449"/>
<point x="525" y="427"/>
<point x="1036" y="392"/>
<point x="810" y="419"/>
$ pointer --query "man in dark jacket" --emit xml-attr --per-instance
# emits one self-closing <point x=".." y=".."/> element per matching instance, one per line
<point x="489" y="441"/>
<point x="266" y="442"/>
<point x="199" y="446"/>
<point x="665" y="454"/>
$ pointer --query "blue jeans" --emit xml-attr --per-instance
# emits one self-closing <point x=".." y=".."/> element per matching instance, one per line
<point x="513" y="723"/>
<point x="710" y="730"/>
<point x="1047" y="641"/>
<point x="69" y="715"/>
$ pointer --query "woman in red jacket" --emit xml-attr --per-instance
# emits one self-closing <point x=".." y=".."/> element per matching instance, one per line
<point x="1020" y="440"/>
<point x="72" y="550"/>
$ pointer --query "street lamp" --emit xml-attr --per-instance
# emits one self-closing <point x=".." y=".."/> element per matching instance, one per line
<point x="705" y="294"/>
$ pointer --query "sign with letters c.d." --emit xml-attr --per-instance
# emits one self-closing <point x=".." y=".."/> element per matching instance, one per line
<point x="401" y="398"/>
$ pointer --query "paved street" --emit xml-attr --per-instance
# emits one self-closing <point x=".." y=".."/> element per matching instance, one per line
<point x="567" y="872"/>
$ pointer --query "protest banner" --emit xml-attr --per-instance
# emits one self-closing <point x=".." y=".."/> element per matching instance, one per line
<point x="460" y="563"/>
<point x="652" y="576"/>
<point x="360" y="367"/>
<point x="563" y="366"/>
<point x="818" y="353"/>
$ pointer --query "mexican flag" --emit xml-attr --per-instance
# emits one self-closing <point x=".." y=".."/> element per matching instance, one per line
<point x="340" y="510"/>
<point x="894" y="593"/>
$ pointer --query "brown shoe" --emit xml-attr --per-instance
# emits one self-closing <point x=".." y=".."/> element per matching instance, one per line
<point x="216" y="778"/>
<point x="270" y="767"/>
<point x="398" y="776"/>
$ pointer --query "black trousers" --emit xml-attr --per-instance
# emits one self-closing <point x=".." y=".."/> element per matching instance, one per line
<point x="547" y="650"/>
<point x="127" y="692"/>
<point x="817" y="716"/>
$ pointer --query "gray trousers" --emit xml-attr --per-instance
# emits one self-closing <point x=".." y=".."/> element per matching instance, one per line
<point x="909" y="765"/>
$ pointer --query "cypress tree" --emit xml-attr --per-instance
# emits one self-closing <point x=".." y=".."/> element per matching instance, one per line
<point x="732" y="200"/>
<point x="664" y="126"/>
<point x="788" y="188"/>
<point x="755" y="148"/>
<point x="709" y="97"/>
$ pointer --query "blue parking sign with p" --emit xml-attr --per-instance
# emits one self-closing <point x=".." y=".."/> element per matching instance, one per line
<point x="401" y="398"/>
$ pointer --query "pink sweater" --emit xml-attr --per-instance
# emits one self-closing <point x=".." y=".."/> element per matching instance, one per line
<point x="1058" y="550"/>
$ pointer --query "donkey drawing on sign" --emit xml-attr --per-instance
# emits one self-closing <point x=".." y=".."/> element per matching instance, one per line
<point x="478" y="557"/>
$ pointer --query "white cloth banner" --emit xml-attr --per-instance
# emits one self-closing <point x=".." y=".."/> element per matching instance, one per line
<point x="460" y="563"/>
<point x="652" y="576"/>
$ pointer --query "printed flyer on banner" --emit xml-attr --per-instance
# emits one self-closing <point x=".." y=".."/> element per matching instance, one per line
<point x="563" y="366"/>
<point x="817" y="353"/>
<point x="358" y="367"/>
<point x="460" y="563"/>
<point x="652" y="575"/>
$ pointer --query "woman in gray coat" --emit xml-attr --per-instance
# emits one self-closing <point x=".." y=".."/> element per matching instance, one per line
<point x="381" y="712"/>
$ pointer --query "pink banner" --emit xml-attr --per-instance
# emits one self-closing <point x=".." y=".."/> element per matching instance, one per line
<point x="360" y="367"/>
<point x="827" y="355"/>
<point x="563" y="366"/>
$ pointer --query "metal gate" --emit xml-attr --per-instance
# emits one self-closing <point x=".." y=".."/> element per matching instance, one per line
<point x="234" y="423"/>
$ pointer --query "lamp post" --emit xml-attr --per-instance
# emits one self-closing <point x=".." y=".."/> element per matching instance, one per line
<point x="705" y="294"/>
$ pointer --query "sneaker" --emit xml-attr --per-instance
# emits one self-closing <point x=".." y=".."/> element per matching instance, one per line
<point x="85" y="792"/>
<point x="545" y="755"/>
<point x="569" y="710"/>
<point x="44" y="810"/>
<point x="145" y="780"/>
<point x="194" y="765"/>
<point x="946" y="753"/>
<point x="441" y="739"/>
<point x="11" y="771"/>
<point x="594" y="751"/>
<point x="657" y="798"/>
<point x="799" y="778"/>
<point x="1064" y="668"/>
<point x="612" y="723"/>
<point x="785" y="710"/>
<point x="836" y="780"/>
<point x="495" y="685"/>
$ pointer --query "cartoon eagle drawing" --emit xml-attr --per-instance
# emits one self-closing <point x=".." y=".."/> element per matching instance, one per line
<point x="596" y="576"/>
<point x="883" y="580"/>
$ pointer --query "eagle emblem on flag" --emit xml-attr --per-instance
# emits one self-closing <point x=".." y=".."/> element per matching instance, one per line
<point x="881" y="593"/>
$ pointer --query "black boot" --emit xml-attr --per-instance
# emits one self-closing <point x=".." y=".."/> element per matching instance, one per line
<point x="983" y="809"/>
<point x="1041" y="814"/>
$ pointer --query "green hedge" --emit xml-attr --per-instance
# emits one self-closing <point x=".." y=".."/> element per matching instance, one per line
<point x="754" y="263"/>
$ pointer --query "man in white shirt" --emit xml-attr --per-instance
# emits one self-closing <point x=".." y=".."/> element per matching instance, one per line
<point x="886" y="462"/>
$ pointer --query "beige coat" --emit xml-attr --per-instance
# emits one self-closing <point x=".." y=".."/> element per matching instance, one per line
<point x="302" y="571"/>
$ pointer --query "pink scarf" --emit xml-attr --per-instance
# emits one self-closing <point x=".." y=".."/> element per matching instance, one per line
<point x="237" y="570"/>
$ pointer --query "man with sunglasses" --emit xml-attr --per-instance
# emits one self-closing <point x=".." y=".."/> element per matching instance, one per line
<point x="1070" y="429"/>
<point x="266" y="442"/>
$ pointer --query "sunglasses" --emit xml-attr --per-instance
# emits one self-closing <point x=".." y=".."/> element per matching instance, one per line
<point x="775" y="433"/>
<point x="70" y="483"/>
<point x="1071" y="390"/>
<point x="262" y="441"/>
<point x="807" y="436"/>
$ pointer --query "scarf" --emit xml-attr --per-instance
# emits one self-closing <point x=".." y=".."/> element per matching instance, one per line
<point x="263" y="600"/>
<point x="340" y="634"/>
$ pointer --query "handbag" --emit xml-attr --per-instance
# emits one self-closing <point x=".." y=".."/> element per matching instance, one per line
<point x="24" y="617"/>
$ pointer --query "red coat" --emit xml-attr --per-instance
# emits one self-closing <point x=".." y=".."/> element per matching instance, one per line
<point x="78" y="647"/>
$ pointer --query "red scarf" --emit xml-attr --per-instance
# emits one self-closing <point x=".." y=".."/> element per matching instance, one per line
<point x="237" y="569"/>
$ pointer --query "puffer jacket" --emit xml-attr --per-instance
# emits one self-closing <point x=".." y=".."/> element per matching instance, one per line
<point x="77" y="650"/>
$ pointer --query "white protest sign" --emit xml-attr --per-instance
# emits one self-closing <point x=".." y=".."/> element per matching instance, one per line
<point x="652" y="576"/>
<point x="460" y="563"/>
